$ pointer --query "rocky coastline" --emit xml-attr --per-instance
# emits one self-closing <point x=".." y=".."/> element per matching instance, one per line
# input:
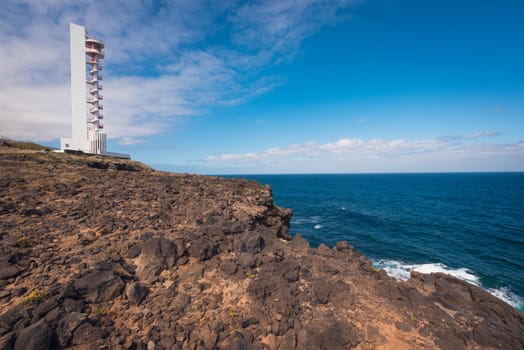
<point x="101" y="253"/>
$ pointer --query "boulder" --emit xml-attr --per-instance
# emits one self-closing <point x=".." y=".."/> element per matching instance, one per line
<point x="11" y="317"/>
<point x="323" y="334"/>
<point x="299" y="243"/>
<point x="66" y="327"/>
<point x="136" y="292"/>
<point x="7" y="341"/>
<point x="157" y="254"/>
<point x="99" y="286"/>
<point x="228" y="266"/>
<point x="133" y="250"/>
<point x="179" y="303"/>
<point x="254" y="244"/>
<point x="86" y="334"/>
<point x="35" y="337"/>
<point x="9" y="271"/>
<point x="201" y="250"/>
<point x="344" y="246"/>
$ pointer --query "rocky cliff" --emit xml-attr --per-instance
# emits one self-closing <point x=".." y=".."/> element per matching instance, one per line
<point x="99" y="253"/>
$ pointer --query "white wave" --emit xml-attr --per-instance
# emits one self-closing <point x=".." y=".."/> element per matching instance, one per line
<point x="318" y="227"/>
<point x="311" y="220"/>
<point x="508" y="296"/>
<point x="402" y="271"/>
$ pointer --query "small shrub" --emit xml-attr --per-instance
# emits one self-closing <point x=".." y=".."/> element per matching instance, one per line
<point x="251" y="275"/>
<point x="104" y="231"/>
<point x="23" y="242"/>
<point x="376" y="269"/>
<point x="102" y="311"/>
<point x="35" y="296"/>
<point x="233" y="312"/>
<point x="203" y="321"/>
<point x="21" y="221"/>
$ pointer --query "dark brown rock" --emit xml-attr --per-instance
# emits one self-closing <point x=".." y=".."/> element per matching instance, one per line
<point x="43" y="308"/>
<point x="247" y="260"/>
<point x="228" y="266"/>
<point x="9" y="271"/>
<point x="299" y="243"/>
<point x="201" y="250"/>
<point x="7" y="342"/>
<point x="99" y="286"/>
<point x="254" y="244"/>
<point x="248" y="322"/>
<point x="136" y="292"/>
<point x="34" y="337"/>
<point x="9" y="318"/>
<point x="7" y="207"/>
<point x="332" y="335"/>
<point x="157" y="254"/>
<point x="179" y="303"/>
<point x="133" y="251"/>
<point x="322" y="292"/>
<point x="66" y="327"/>
<point x="85" y="333"/>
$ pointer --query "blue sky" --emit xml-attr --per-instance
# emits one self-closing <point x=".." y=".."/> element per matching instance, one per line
<point x="233" y="87"/>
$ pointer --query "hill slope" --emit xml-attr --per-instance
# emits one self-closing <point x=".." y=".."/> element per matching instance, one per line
<point x="104" y="253"/>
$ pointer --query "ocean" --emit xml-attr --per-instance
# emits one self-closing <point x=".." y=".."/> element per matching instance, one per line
<point x="470" y="225"/>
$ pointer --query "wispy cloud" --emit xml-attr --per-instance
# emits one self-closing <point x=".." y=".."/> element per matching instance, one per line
<point x="474" y="136"/>
<point x="361" y="155"/>
<point x="159" y="66"/>
<point x="483" y="134"/>
<point x="274" y="29"/>
<point x="342" y="148"/>
<point x="129" y="141"/>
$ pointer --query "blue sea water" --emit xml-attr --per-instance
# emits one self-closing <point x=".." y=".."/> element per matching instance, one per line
<point x="470" y="225"/>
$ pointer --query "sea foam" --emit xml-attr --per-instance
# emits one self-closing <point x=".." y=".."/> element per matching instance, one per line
<point x="315" y="219"/>
<point x="402" y="271"/>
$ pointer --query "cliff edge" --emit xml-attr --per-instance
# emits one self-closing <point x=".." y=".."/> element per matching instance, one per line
<point x="100" y="253"/>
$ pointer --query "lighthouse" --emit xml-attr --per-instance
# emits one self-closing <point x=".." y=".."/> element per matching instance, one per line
<point x="87" y="115"/>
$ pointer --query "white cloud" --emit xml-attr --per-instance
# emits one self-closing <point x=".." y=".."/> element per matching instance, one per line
<point x="158" y="64"/>
<point x="129" y="141"/>
<point x="358" y="155"/>
<point x="35" y="113"/>
<point x="275" y="28"/>
<point x="342" y="148"/>
<point x="474" y="136"/>
<point x="483" y="134"/>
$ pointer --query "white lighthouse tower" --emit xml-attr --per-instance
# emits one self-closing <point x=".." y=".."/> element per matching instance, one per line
<point x="88" y="133"/>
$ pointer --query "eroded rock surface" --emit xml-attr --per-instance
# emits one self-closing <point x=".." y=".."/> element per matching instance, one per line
<point x="103" y="253"/>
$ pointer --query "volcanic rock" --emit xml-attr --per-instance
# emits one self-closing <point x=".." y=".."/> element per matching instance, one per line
<point x="98" y="286"/>
<point x="100" y="253"/>
<point x="35" y="337"/>
<point x="136" y="292"/>
<point x="8" y="271"/>
<point x="67" y="325"/>
<point x="157" y="254"/>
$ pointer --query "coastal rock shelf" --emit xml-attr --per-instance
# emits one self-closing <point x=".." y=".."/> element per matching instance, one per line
<point x="98" y="253"/>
